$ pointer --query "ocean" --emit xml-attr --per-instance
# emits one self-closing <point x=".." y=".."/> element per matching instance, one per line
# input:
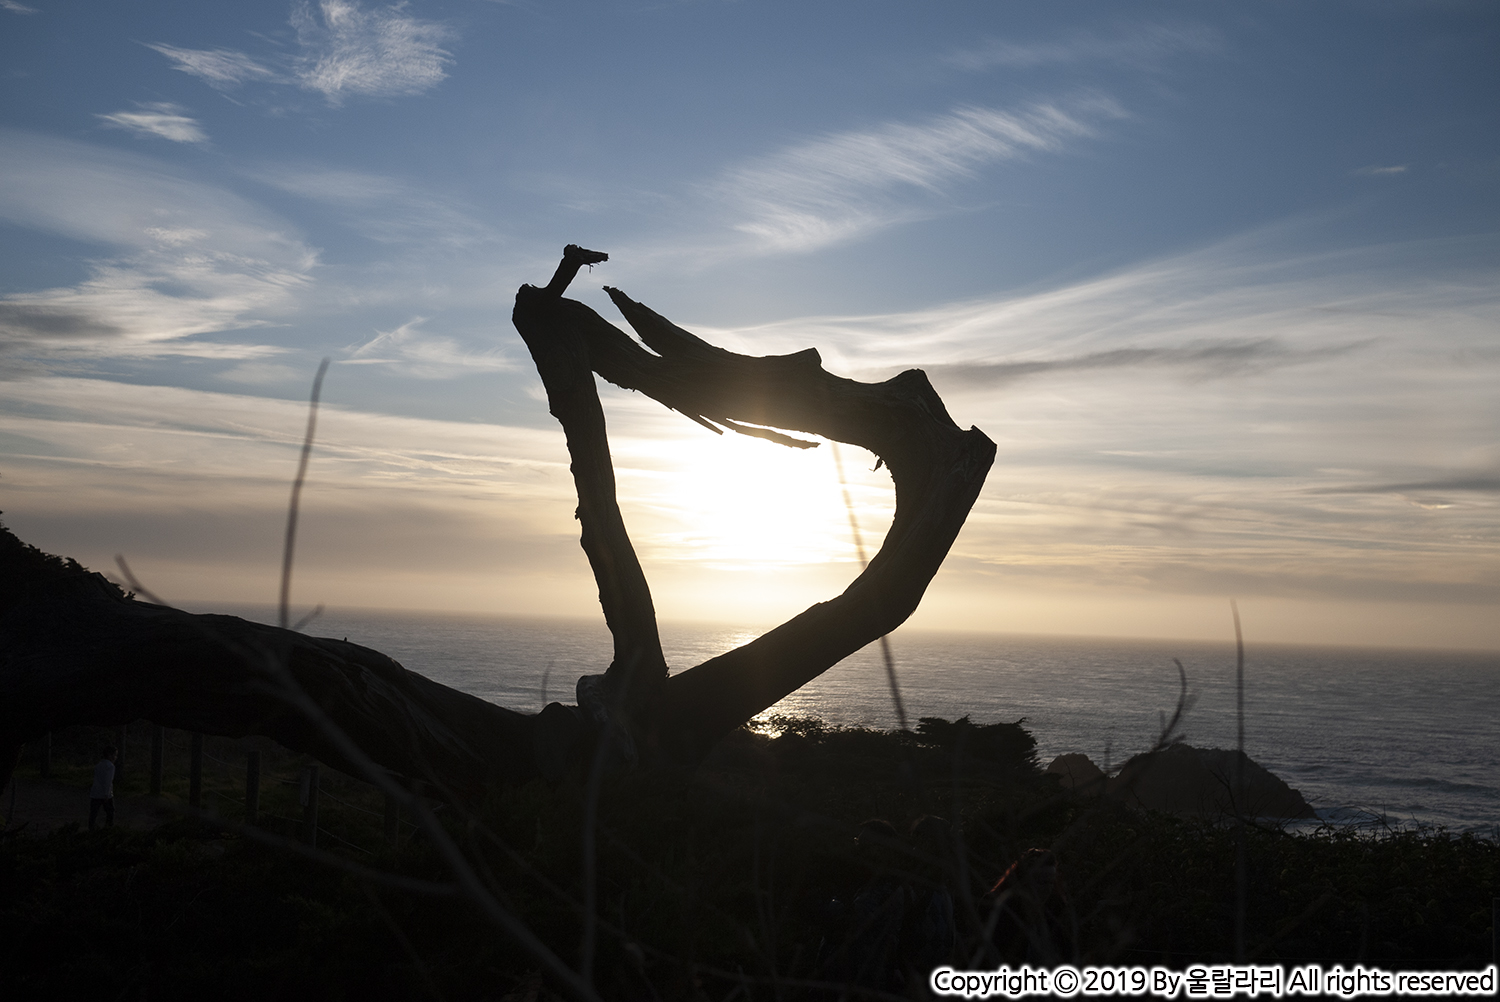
<point x="1394" y="737"/>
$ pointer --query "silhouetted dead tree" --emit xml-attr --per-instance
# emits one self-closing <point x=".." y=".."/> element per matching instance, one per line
<point x="74" y="649"/>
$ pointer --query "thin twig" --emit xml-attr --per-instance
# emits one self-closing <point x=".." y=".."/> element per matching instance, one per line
<point x="134" y="584"/>
<point x="1169" y="735"/>
<point x="291" y="511"/>
<point x="864" y="563"/>
<point x="317" y="611"/>
<point x="1241" y="864"/>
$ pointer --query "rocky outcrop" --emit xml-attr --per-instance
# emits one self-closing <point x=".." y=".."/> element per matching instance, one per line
<point x="1184" y="780"/>
<point x="1078" y="773"/>
<point x="1201" y="781"/>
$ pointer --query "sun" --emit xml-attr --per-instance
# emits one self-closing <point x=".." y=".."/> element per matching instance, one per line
<point x="734" y="502"/>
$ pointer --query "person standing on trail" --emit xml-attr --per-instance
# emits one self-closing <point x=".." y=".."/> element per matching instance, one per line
<point x="102" y="794"/>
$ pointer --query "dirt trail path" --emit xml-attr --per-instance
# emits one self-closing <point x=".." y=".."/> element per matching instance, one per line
<point x="42" y="805"/>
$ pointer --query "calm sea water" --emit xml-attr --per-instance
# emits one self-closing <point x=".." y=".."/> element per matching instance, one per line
<point x="1411" y="736"/>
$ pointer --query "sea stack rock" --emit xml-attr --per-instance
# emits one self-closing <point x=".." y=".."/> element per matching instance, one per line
<point x="1201" y="781"/>
<point x="1077" y="772"/>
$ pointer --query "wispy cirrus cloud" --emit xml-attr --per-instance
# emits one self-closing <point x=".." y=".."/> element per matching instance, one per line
<point x="425" y="356"/>
<point x="1375" y="171"/>
<point x="178" y="257"/>
<point x="161" y="119"/>
<point x="120" y="310"/>
<point x="348" y="50"/>
<point x="1141" y="47"/>
<point x="1240" y="307"/>
<point x="17" y="8"/>
<point x="836" y="187"/>
<point x="343" y="50"/>
<point x="220" y="67"/>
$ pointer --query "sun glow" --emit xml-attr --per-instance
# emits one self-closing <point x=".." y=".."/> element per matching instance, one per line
<point x="734" y="502"/>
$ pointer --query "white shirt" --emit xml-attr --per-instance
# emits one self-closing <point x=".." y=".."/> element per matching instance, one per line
<point x="104" y="781"/>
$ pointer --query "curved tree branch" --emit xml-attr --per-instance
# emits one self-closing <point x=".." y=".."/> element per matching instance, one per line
<point x="937" y="468"/>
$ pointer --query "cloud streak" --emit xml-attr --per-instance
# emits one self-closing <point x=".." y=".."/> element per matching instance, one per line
<point x="179" y="258"/>
<point x="221" y="68"/>
<point x="1479" y="483"/>
<point x="30" y="320"/>
<point x="344" y="50"/>
<point x="425" y="356"/>
<point x="840" y="186"/>
<point x="163" y="120"/>
<point x="1144" y="47"/>
<point x="1209" y="359"/>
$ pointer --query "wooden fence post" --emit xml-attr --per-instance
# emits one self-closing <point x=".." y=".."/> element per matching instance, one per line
<point x="310" y="805"/>
<point x="158" y="740"/>
<point x="252" y="786"/>
<point x="195" y="772"/>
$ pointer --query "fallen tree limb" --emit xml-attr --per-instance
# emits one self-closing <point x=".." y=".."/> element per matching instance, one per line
<point x="74" y="649"/>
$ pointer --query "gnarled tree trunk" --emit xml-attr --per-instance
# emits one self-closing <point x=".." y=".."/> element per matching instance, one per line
<point x="74" y="649"/>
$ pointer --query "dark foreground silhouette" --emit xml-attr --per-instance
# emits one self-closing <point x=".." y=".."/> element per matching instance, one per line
<point x="707" y="887"/>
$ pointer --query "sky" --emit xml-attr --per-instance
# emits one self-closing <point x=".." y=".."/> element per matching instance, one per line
<point x="1219" y="279"/>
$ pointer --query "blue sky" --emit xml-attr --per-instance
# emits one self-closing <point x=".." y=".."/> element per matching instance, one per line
<point x="1219" y="279"/>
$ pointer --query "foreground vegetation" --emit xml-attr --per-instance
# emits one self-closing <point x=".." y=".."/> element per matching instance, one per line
<point x="708" y="885"/>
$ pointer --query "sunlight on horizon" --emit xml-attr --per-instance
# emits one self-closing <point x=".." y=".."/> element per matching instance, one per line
<point x="740" y="503"/>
